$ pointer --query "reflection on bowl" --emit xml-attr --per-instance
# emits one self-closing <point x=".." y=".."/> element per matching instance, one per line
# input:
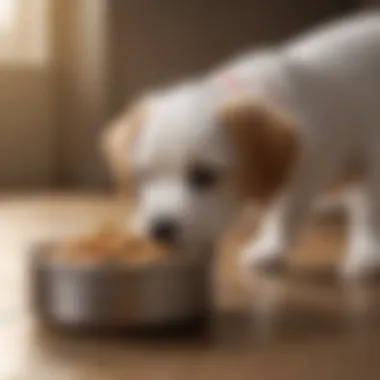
<point x="115" y="294"/>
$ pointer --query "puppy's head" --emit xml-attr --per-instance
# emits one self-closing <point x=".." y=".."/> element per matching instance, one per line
<point x="193" y="161"/>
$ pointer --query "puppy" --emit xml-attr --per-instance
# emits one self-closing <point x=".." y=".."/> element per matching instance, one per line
<point x="278" y="127"/>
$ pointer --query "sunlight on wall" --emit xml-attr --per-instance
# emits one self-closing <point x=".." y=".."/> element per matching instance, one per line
<point x="24" y="32"/>
<point x="7" y="14"/>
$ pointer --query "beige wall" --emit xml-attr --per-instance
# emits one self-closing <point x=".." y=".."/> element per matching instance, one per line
<point x="80" y="61"/>
<point x="26" y="135"/>
<point x="26" y="100"/>
<point x="107" y="50"/>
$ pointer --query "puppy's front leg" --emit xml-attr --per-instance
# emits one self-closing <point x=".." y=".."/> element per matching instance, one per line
<point x="363" y="256"/>
<point x="285" y="217"/>
<point x="278" y="233"/>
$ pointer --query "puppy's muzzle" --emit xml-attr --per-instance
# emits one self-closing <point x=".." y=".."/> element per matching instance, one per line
<point x="165" y="230"/>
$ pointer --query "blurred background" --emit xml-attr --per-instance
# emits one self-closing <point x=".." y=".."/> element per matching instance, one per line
<point x="66" y="66"/>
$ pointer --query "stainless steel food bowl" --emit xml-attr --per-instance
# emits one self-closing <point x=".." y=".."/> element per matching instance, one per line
<point x="120" y="294"/>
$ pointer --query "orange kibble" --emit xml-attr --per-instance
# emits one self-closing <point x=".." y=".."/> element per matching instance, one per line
<point x="111" y="243"/>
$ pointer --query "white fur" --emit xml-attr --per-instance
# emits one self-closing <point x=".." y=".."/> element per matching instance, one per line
<point x="329" y="80"/>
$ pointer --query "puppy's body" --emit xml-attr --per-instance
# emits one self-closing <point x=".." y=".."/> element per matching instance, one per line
<point x="311" y="113"/>
<point x="329" y="81"/>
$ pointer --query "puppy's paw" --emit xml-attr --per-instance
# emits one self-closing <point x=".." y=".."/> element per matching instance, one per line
<point x="361" y="264"/>
<point x="266" y="255"/>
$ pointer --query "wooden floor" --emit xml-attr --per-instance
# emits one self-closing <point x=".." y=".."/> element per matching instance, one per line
<point x="302" y="325"/>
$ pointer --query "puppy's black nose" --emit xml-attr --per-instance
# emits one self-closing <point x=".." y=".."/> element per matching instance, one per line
<point x="165" y="230"/>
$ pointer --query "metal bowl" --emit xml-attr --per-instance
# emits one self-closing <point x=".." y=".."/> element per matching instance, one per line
<point x="119" y="294"/>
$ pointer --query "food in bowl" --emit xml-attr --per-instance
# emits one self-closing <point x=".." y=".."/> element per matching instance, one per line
<point x="111" y="243"/>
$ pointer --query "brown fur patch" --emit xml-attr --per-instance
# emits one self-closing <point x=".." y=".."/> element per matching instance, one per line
<point x="266" y="144"/>
<point x="117" y="144"/>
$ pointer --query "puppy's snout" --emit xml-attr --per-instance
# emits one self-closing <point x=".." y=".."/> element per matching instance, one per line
<point x="165" y="230"/>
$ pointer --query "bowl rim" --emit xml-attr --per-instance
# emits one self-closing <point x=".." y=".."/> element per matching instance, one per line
<point x="41" y="249"/>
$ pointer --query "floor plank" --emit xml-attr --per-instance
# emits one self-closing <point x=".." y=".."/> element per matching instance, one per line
<point x="304" y="324"/>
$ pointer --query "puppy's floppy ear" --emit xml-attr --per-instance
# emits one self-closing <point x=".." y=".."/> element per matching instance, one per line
<point x="266" y="144"/>
<point x="117" y="143"/>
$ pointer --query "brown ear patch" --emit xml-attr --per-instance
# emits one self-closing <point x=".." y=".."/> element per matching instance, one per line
<point x="117" y="144"/>
<point x="266" y="143"/>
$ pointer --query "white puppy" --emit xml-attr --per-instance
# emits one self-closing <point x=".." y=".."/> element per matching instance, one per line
<point x="277" y="126"/>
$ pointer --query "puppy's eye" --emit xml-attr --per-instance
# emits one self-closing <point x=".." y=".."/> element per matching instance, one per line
<point x="202" y="178"/>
